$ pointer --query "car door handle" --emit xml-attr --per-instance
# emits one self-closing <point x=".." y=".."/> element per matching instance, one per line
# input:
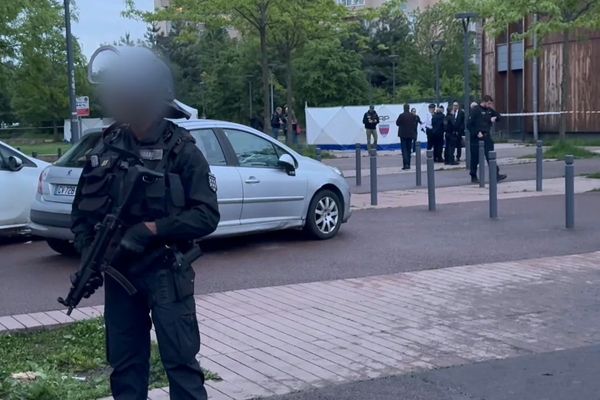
<point x="252" y="180"/>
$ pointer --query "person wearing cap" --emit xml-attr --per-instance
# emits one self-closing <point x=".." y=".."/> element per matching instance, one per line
<point x="482" y="117"/>
<point x="370" y="121"/>
<point x="162" y="220"/>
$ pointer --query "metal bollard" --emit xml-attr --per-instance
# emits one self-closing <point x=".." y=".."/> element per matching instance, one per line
<point x="34" y="154"/>
<point x="481" y="164"/>
<point x="418" y="163"/>
<point x="468" y="150"/>
<point x="59" y="152"/>
<point x="570" y="192"/>
<point x="493" y="186"/>
<point x="430" y="180"/>
<point x="373" y="172"/>
<point x="318" y="154"/>
<point x="358" y="166"/>
<point x="539" y="165"/>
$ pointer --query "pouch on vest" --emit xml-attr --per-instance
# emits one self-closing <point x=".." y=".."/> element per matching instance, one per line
<point x="176" y="192"/>
<point x="156" y="197"/>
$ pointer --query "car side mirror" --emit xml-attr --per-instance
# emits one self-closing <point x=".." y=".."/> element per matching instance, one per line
<point x="14" y="163"/>
<point x="287" y="163"/>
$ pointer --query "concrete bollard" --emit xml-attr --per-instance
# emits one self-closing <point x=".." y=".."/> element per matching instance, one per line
<point x="418" y="163"/>
<point x="373" y="172"/>
<point x="430" y="180"/>
<point x="318" y="150"/>
<point x="539" y="165"/>
<point x="481" y="164"/>
<point x="569" y="192"/>
<point x="358" y="166"/>
<point x="493" y="186"/>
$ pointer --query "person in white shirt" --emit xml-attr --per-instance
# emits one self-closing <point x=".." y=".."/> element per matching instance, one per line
<point x="428" y="127"/>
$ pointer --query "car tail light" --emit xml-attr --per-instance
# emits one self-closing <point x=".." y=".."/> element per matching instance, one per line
<point x="40" y="187"/>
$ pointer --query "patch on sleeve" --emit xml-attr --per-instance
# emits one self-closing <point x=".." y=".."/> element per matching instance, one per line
<point x="212" y="182"/>
<point x="94" y="161"/>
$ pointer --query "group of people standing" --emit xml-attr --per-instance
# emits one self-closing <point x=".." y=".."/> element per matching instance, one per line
<point x="279" y="121"/>
<point x="447" y="128"/>
<point x="445" y="132"/>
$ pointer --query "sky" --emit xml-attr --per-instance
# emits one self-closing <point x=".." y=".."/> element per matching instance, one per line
<point x="100" y="22"/>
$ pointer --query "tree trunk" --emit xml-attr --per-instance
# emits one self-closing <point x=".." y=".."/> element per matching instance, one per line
<point x="564" y="85"/>
<point x="290" y="99"/>
<point x="264" y="64"/>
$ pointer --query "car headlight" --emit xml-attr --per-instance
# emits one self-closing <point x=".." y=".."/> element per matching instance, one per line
<point x="337" y="171"/>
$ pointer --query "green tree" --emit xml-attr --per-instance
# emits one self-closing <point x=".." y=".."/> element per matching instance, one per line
<point x="244" y="15"/>
<point x="39" y="84"/>
<point x="295" y="24"/>
<point x="563" y="17"/>
<point x="329" y="75"/>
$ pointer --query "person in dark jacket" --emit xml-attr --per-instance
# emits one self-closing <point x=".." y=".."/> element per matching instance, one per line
<point x="482" y="117"/>
<point x="370" y="121"/>
<point x="161" y="222"/>
<point x="456" y="125"/>
<point x="438" y="125"/>
<point x="418" y="122"/>
<point x="407" y="131"/>
<point x="278" y="122"/>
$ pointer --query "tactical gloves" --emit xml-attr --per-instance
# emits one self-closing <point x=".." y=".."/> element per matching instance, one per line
<point x="137" y="238"/>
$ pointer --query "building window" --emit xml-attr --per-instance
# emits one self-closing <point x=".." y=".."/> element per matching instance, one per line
<point x="351" y="3"/>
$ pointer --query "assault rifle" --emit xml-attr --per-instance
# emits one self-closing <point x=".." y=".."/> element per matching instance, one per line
<point x="97" y="259"/>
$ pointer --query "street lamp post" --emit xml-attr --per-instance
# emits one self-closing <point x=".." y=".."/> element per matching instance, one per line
<point x="203" y="89"/>
<point x="71" y="75"/>
<point x="251" y="114"/>
<point x="437" y="46"/>
<point x="466" y="19"/>
<point x="394" y="57"/>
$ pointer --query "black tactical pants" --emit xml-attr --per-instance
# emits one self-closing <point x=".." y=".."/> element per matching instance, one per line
<point x="128" y="337"/>
<point x="451" y="145"/>
<point x="488" y="145"/>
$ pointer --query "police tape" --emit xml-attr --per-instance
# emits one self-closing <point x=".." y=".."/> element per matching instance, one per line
<point x="545" y="113"/>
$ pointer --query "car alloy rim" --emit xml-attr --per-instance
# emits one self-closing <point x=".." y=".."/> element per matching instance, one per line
<point x="326" y="215"/>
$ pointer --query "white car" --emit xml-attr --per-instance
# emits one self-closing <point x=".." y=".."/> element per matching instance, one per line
<point x="19" y="176"/>
<point x="263" y="185"/>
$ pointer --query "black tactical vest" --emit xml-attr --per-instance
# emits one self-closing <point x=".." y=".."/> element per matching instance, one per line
<point x="105" y="178"/>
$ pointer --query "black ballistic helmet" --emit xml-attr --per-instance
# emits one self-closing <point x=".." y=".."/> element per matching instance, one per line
<point x="134" y="84"/>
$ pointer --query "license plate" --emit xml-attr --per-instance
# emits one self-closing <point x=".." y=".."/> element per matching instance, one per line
<point x="65" y="190"/>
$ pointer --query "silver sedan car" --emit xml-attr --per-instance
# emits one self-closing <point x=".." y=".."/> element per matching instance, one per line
<point x="262" y="186"/>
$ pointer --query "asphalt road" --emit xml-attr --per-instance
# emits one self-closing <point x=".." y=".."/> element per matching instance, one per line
<point x="373" y="242"/>
<point x="563" y="375"/>
<point x="517" y="172"/>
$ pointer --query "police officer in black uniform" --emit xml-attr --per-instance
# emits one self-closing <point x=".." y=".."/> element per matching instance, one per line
<point x="481" y="119"/>
<point x="163" y="219"/>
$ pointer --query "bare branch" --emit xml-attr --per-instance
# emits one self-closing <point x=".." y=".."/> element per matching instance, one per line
<point x="585" y="9"/>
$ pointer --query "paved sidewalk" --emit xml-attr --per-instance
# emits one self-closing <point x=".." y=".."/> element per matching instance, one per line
<point x="463" y="194"/>
<point x="365" y="172"/>
<point x="276" y="340"/>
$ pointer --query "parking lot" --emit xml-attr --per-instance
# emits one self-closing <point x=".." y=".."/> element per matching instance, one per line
<point x="374" y="242"/>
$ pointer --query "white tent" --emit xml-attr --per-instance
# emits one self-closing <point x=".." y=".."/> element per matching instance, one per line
<point x="342" y="127"/>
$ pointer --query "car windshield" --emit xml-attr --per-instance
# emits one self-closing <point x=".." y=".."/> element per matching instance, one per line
<point x="76" y="156"/>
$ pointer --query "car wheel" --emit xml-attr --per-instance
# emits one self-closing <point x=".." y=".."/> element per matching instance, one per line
<point x="324" y="215"/>
<point x="64" y="247"/>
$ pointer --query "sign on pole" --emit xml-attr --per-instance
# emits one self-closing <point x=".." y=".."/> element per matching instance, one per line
<point x="83" y="106"/>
